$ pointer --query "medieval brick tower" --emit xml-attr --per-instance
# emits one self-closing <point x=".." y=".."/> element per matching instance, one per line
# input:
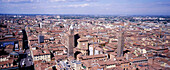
<point x="120" y="44"/>
<point x="71" y="41"/>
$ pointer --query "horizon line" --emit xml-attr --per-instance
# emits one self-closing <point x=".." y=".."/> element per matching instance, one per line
<point x="86" y="14"/>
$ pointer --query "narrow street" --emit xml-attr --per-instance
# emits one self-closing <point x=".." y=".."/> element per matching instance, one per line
<point x="26" y="62"/>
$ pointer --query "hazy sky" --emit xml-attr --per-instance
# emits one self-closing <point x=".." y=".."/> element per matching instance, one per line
<point x="105" y="7"/>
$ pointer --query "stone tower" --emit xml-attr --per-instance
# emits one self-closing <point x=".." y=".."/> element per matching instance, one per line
<point x="71" y="41"/>
<point x="120" y="44"/>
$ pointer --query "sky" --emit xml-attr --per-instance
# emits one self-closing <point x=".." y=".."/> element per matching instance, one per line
<point x="95" y="7"/>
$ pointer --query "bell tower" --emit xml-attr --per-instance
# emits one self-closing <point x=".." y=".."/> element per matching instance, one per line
<point x="71" y="41"/>
<point x="120" y="44"/>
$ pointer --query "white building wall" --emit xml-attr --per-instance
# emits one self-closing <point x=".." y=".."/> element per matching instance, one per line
<point x="91" y="50"/>
<point x="96" y="52"/>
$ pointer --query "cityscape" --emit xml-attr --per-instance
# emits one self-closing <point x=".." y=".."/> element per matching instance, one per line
<point x="83" y="35"/>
